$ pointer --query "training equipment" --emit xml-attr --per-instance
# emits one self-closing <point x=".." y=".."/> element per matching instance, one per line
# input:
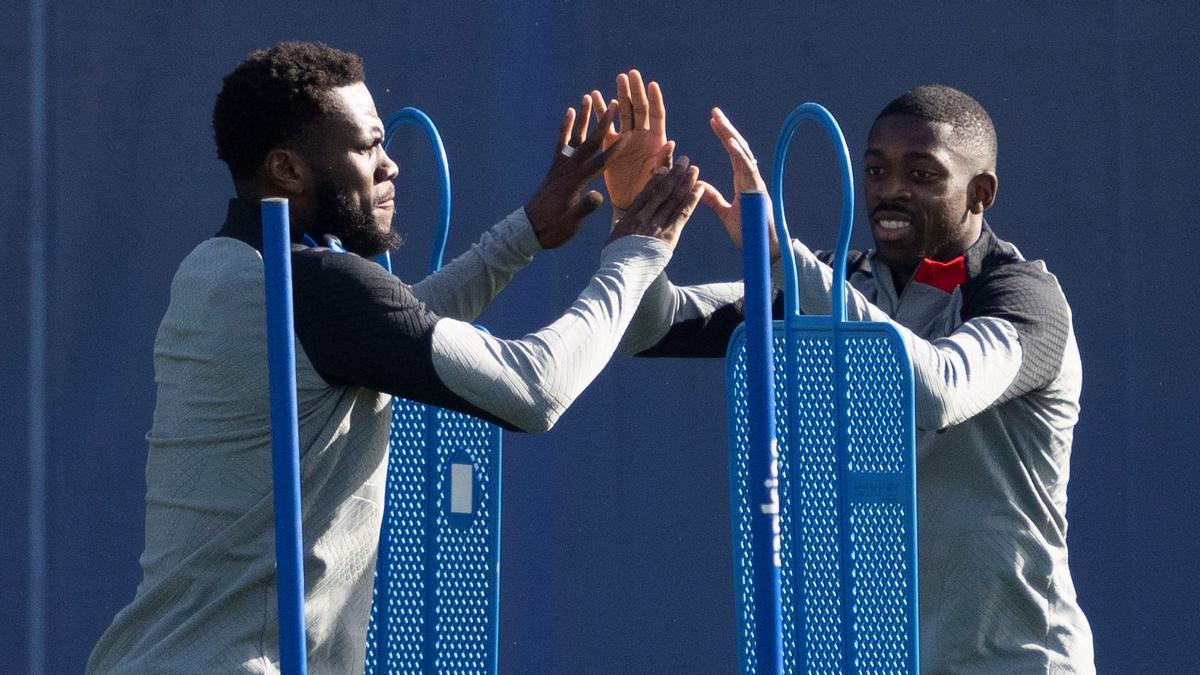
<point x="437" y="579"/>
<point x="845" y="470"/>
<point x="285" y="435"/>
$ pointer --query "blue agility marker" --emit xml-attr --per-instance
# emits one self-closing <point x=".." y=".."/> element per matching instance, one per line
<point x="846" y="471"/>
<point x="436" y="605"/>
<point x="763" y="465"/>
<point x="285" y="442"/>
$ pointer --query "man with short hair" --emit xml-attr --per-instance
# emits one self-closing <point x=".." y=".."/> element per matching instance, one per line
<point x="297" y="121"/>
<point x="996" y="371"/>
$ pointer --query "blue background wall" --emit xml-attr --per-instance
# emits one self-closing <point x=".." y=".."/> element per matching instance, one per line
<point x="616" y="555"/>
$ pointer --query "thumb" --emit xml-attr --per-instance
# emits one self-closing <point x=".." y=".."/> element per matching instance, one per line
<point x="585" y="205"/>
<point x="713" y="199"/>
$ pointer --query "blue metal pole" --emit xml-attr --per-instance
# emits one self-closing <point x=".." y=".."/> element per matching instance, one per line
<point x="285" y="441"/>
<point x="764" y="458"/>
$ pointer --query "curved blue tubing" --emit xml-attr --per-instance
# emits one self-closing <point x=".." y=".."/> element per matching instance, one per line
<point x="763" y="471"/>
<point x="851" y="480"/>
<point x="285" y="441"/>
<point x="414" y="116"/>
<point x="818" y="113"/>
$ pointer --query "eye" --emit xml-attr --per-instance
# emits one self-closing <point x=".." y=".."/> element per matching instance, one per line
<point x="922" y="175"/>
<point x="874" y="171"/>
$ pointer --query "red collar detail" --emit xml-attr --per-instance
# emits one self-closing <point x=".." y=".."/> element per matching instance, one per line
<point x="945" y="276"/>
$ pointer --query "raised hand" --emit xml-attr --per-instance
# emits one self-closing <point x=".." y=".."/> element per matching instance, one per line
<point x="746" y="178"/>
<point x="643" y="133"/>
<point x="664" y="205"/>
<point x="558" y="206"/>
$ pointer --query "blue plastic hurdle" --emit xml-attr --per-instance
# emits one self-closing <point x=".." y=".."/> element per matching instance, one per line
<point x="845" y="472"/>
<point x="437" y="579"/>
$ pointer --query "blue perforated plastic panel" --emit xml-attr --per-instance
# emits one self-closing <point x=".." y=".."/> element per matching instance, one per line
<point x="436" y="601"/>
<point x="847" y="517"/>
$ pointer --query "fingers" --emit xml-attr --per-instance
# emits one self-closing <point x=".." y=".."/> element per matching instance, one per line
<point x="596" y="163"/>
<point x="648" y="190"/>
<point x="746" y="175"/>
<point x="680" y="196"/>
<point x="604" y="122"/>
<point x="585" y="152"/>
<point x="579" y="135"/>
<point x="726" y="128"/>
<point x="687" y="206"/>
<point x="661" y="186"/>
<point x="641" y="103"/>
<point x="666" y="155"/>
<point x="657" y="111"/>
<point x="599" y="107"/>
<point x="624" y="98"/>
<point x="564" y="131"/>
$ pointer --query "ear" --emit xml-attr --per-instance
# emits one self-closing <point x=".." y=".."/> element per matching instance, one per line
<point x="981" y="192"/>
<point x="287" y="170"/>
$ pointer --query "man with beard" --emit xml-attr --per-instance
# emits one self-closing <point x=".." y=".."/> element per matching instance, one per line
<point x="996" y="368"/>
<point x="297" y="121"/>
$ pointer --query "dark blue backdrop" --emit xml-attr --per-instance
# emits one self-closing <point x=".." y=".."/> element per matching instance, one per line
<point x="616" y="554"/>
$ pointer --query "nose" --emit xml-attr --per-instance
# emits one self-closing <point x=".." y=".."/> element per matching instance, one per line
<point x="887" y="188"/>
<point x="387" y="168"/>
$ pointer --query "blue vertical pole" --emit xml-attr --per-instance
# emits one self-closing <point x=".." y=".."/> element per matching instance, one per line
<point x="764" y="458"/>
<point x="285" y="441"/>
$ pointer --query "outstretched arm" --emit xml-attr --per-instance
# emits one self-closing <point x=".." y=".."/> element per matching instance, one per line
<point x="531" y="381"/>
<point x="464" y="287"/>
<point x="366" y="329"/>
<point x="1011" y="340"/>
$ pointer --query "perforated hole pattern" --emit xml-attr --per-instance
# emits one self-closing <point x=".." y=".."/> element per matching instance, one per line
<point x="462" y="583"/>
<point x="809" y="518"/>
<point x="874" y="392"/>
<point x="880" y="587"/>
<point x="465" y="573"/>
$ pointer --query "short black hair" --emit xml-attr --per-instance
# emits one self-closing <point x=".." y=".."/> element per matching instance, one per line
<point x="271" y="97"/>
<point x="973" y="128"/>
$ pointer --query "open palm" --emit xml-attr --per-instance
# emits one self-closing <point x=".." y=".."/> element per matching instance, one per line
<point x="643" y="126"/>
<point x="746" y="178"/>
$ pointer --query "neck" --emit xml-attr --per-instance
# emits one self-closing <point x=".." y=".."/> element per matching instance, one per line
<point x="299" y="212"/>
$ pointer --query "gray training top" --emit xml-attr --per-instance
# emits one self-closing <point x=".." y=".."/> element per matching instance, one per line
<point x="207" y="603"/>
<point x="997" y="378"/>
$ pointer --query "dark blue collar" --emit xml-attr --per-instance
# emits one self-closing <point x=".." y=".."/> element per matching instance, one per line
<point x="243" y="221"/>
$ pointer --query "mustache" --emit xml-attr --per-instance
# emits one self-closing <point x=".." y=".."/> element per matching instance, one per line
<point x="893" y="207"/>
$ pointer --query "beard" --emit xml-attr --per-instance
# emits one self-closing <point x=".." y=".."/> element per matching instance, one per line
<point x="346" y="218"/>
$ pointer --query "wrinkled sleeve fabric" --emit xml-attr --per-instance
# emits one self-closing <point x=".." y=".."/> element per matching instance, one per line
<point x="1011" y="340"/>
<point x="686" y="321"/>
<point x="360" y="326"/>
<point x="463" y="287"/>
<point x="531" y="381"/>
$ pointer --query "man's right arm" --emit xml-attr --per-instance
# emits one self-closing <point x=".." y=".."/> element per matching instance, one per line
<point x="465" y="286"/>
<point x="360" y="326"/>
